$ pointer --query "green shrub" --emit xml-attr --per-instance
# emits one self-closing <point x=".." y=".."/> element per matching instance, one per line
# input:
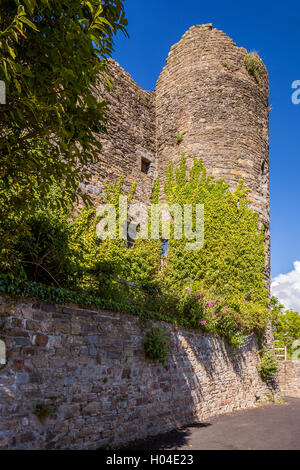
<point x="156" y="345"/>
<point x="43" y="411"/>
<point x="237" y="339"/>
<point x="45" y="255"/>
<point x="286" y="328"/>
<point x="252" y="62"/>
<point x="179" y="138"/>
<point x="268" y="364"/>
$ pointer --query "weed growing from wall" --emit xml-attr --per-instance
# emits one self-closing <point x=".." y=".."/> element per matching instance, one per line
<point x="252" y="62"/>
<point x="156" y="345"/>
<point x="43" y="411"/>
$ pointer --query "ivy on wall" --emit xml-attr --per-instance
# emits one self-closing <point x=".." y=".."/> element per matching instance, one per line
<point x="226" y="274"/>
<point x="218" y="289"/>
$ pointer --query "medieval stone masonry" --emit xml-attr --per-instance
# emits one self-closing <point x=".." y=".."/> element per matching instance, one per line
<point x="289" y="378"/>
<point x="206" y="104"/>
<point x="78" y="378"/>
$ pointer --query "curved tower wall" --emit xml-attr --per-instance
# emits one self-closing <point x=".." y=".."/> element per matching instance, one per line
<point x="206" y="95"/>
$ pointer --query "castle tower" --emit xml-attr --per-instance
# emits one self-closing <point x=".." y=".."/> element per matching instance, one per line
<point x="209" y="104"/>
<point x="211" y="101"/>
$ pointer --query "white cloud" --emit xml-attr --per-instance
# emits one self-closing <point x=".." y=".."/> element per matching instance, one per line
<point x="286" y="287"/>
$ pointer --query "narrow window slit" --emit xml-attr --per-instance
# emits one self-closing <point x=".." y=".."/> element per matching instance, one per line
<point x="145" y="165"/>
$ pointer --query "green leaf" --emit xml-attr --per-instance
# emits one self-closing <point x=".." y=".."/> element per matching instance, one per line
<point x="12" y="52"/>
<point x="25" y="20"/>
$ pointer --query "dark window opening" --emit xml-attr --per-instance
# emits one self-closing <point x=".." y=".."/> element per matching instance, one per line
<point x="263" y="165"/>
<point x="129" y="244"/>
<point x="164" y="248"/>
<point x="130" y="241"/>
<point x="145" y="166"/>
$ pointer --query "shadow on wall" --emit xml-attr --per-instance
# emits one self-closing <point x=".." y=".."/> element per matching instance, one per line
<point x="212" y="378"/>
<point x="79" y="379"/>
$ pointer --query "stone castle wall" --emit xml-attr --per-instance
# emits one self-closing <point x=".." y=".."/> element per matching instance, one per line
<point x="130" y="137"/>
<point x="206" y="95"/>
<point x="88" y="367"/>
<point x="88" y="372"/>
<point x="289" y="378"/>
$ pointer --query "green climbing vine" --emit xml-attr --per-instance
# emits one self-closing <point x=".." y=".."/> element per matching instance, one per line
<point x="218" y="288"/>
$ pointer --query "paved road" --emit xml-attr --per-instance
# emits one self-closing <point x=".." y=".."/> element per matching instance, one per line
<point x="268" y="427"/>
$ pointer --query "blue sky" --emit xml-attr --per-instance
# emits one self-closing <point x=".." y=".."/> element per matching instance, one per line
<point x="270" y="28"/>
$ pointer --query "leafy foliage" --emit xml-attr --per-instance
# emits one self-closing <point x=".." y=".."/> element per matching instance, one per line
<point x="23" y="288"/>
<point x="51" y="55"/>
<point x="156" y="345"/>
<point x="45" y="250"/>
<point x="252" y="62"/>
<point x="227" y="271"/>
<point x="286" y="327"/>
<point x="268" y="364"/>
<point x="43" y="411"/>
<point x="218" y="289"/>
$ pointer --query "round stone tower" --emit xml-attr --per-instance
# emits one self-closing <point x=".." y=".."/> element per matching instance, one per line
<point x="212" y="101"/>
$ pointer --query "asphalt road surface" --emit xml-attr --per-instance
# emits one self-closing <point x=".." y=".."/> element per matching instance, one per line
<point x="269" y="427"/>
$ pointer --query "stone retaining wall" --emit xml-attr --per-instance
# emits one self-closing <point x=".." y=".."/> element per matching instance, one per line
<point x="88" y="372"/>
<point x="289" y="378"/>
